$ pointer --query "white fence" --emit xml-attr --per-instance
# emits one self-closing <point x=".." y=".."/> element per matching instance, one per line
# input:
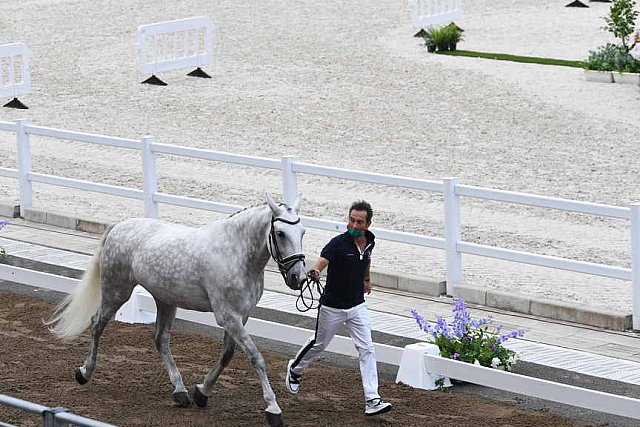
<point x="172" y="45"/>
<point x="51" y="417"/>
<point x="451" y="189"/>
<point x="15" y="73"/>
<point x="426" y="13"/>
<point x="421" y="362"/>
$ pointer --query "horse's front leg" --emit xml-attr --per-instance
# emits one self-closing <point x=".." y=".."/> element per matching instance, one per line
<point x="236" y="329"/>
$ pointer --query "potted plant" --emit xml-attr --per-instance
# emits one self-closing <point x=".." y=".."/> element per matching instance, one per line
<point x="442" y="37"/>
<point x="454" y="34"/>
<point x="611" y="63"/>
<point x="469" y="340"/>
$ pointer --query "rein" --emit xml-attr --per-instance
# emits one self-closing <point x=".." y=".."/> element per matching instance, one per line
<point x="306" y="303"/>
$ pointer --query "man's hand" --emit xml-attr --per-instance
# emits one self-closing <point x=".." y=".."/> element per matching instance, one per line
<point x="367" y="287"/>
<point x="314" y="275"/>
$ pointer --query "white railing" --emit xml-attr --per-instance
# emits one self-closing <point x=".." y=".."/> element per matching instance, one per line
<point x="173" y="45"/>
<point x="426" y="13"/>
<point x="534" y="387"/>
<point x="15" y="72"/>
<point x="51" y="417"/>
<point x="416" y="362"/>
<point x="452" y="191"/>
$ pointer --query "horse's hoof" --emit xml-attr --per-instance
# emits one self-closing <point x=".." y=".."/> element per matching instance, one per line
<point x="274" y="420"/>
<point x="199" y="397"/>
<point x="80" y="378"/>
<point x="181" y="399"/>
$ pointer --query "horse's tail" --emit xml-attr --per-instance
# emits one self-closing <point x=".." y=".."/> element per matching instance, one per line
<point x="73" y="315"/>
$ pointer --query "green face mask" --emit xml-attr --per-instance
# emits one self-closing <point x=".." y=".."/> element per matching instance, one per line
<point x="355" y="232"/>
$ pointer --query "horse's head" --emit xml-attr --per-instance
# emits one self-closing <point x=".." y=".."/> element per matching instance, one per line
<point x="285" y="242"/>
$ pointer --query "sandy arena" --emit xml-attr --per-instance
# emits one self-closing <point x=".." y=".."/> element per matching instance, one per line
<point x="346" y="84"/>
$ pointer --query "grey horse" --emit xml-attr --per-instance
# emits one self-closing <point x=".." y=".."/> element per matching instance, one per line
<point x="218" y="268"/>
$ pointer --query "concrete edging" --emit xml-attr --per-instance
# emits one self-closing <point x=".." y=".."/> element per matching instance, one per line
<point x="549" y="309"/>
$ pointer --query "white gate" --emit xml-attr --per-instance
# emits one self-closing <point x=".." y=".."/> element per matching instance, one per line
<point x="426" y="13"/>
<point x="15" y="75"/>
<point x="173" y="45"/>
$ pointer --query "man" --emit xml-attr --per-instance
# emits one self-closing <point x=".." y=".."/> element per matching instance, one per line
<point x="348" y="257"/>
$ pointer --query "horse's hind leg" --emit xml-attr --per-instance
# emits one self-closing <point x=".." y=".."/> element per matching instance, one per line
<point x="108" y="308"/>
<point x="201" y="391"/>
<point x="164" y="323"/>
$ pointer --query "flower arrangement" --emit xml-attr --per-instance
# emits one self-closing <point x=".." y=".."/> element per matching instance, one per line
<point x="3" y="253"/>
<point x="470" y="340"/>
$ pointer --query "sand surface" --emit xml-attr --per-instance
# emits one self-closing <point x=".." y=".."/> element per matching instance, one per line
<point x="345" y="84"/>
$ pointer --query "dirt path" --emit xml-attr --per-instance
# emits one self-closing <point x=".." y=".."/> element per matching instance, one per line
<point x="131" y="387"/>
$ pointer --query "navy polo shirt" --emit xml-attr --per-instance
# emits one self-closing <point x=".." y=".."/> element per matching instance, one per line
<point x="345" y="274"/>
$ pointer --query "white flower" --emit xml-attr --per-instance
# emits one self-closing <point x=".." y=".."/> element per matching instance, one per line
<point x="476" y="362"/>
<point x="495" y="362"/>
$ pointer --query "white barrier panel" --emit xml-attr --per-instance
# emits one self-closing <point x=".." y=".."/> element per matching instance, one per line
<point x="426" y="13"/>
<point x="15" y="74"/>
<point x="535" y="387"/>
<point x="413" y="369"/>
<point x="173" y="45"/>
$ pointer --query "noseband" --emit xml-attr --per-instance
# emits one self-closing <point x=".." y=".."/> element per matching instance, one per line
<point x="284" y="264"/>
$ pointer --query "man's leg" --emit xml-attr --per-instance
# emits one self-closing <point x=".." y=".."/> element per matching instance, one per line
<point x="327" y="324"/>
<point x="359" y="326"/>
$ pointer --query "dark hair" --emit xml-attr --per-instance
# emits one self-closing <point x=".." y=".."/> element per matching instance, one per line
<point x="361" y="205"/>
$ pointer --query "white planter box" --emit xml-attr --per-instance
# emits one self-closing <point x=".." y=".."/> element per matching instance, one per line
<point x="627" y="78"/>
<point x="598" y="76"/>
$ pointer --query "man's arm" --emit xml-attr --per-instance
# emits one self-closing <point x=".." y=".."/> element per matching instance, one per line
<point x="367" y="280"/>
<point x="318" y="266"/>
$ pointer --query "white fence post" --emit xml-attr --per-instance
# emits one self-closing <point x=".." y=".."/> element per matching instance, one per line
<point x="635" y="263"/>
<point x="452" y="234"/>
<point x="24" y="166"/>
<point x="149" y="178"/>
<point x="289" y="180"/>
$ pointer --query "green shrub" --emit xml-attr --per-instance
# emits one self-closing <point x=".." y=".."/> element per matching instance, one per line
<point x="443" y="37"/>
<point x="611" y="57"/>
<point x="621" y="20"/>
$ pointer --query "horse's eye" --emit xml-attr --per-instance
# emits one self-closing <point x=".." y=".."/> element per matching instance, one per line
<point x="280" y="233"/>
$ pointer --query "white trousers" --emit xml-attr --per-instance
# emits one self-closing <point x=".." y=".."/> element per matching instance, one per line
<point x="359" y="326"/>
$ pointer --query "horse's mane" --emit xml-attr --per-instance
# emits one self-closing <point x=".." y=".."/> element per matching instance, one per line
<point x="251" y="207"/>
<point x="246" y="209"/>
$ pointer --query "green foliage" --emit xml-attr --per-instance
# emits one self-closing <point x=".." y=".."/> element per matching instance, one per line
<point x="515" y="58"/>
<point x="611" y="57"/>
<point x="443" y="37"/>
<point x="469" y="340"/>
<point x="621" y="20"/>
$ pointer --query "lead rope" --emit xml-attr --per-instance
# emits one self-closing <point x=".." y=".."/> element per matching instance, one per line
<point x="307" y="300"/>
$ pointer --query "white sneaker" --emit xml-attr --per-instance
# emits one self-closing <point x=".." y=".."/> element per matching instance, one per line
<point x="376" y="406"/>
<point x="292" y="381"/>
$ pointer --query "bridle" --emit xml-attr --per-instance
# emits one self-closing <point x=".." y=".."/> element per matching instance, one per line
<point x="303" y="303"/>
<point x="284" y="264"/>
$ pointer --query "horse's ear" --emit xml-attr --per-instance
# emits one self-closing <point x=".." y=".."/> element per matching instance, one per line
<point x="297" y="203"/>
<point x="272" y="205"/>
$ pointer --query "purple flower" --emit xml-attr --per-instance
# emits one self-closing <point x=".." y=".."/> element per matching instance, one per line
<point x="455" y="356"/>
